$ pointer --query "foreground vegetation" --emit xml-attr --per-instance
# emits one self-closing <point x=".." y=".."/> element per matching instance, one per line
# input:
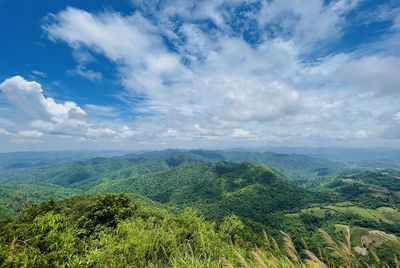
<point x="117" y="230"/>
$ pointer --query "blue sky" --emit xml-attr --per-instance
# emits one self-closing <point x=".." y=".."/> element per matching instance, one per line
<point x="158" y="74"/>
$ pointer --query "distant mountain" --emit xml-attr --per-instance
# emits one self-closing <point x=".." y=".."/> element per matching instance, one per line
<point x="19" y="160"/>
<point x="87" y="173"/>
<point x="296" y="167"/>
<point x="339" y="153"/>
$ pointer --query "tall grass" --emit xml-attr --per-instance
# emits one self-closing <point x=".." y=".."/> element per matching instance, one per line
<point x="338" y="253"/>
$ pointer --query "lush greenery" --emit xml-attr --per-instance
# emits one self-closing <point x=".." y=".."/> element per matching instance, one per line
<point x="119" y="231"/>
<point x="374" y="188"/>
<point x="295" y="167"/>
<point x="218" y="189"/>
<point x="14" y="197"/>
<point x="200" y="209"/>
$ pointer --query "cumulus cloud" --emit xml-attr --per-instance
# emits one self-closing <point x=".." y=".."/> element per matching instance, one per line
<point x="130" y="41"/>
<point x="127" y="132"/>
<point x="44" y="115"/>
<point x="217" y="84"/>
<point x="221" y="70"/>
<point x="374" y="73"/>
<point x="28" y="97"/>
<point x="216" y="81"/>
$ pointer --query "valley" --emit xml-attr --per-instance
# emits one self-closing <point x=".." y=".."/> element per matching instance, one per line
<point x="294" y="195"/>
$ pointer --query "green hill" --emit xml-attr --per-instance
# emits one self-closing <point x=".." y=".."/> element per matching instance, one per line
<point x="374" y="188"/>
<point x="117" y="230"/>
<point x="296" y="167"/>
<point x="87" y="173"/>
<point x="138" y="210"/>
<point x="217" y="189"/>
<point x="14" y="197"/>
<point x="111" y="231"/>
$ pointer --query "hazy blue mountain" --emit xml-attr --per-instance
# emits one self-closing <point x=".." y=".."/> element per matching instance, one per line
<point x="347" y="153"/>
<point x="17" y="160"/>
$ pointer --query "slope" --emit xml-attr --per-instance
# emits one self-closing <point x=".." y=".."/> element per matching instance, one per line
<point x="374" y="188"/>
<point x="87" y="173"/>
<point x="14" y="197"/>
<point x="217" y="189"/>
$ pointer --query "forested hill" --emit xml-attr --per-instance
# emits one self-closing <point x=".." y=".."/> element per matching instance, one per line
<point x="294" y="166"/>
<point x="372" y="187"/>
<point x="21" y="186"/>
<point x="198" y="208"/>
<point x="218" y="189"/>
<point x="82" y="173"/>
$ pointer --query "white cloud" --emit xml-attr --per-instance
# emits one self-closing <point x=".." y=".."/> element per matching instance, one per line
<point x="200" y="82"/>
<point x="4" y="132"/>
<point x="83" y="58"/>
<point x="82" y="71"/>
<point x="37" y="73"/>
<point x="229" y="84"/>
<point x="100" y="132"/>
<point x="105" y="111"/>
<point x="28" y="97"/>
<point x="361" y="134"/>
<point x="397" y="117"/>
<point x="30" y="134"/>
<point x="307" y="23"/>
<point x="127" y="132"/>
<point x="215" y="85"/>
<point x="169" y="133"/>
<point x="374" y="73"/>
<point x="241" y="133"/>
<point x="130" y="41"/>
<point x="47" y="116"/>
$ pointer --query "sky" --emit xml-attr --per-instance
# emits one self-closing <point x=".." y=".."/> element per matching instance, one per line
<point x="135" y="74"/>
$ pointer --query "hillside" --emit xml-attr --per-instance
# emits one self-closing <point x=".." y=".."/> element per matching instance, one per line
<point x="119" y="231"/>
<point x="229" y="202"/>
<point x="14" y="197"/>
<point x="296" y="167"/>
<point x="372" y="187"/>
<point x="87" y="173"/>
<point x="217" y="189"/>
